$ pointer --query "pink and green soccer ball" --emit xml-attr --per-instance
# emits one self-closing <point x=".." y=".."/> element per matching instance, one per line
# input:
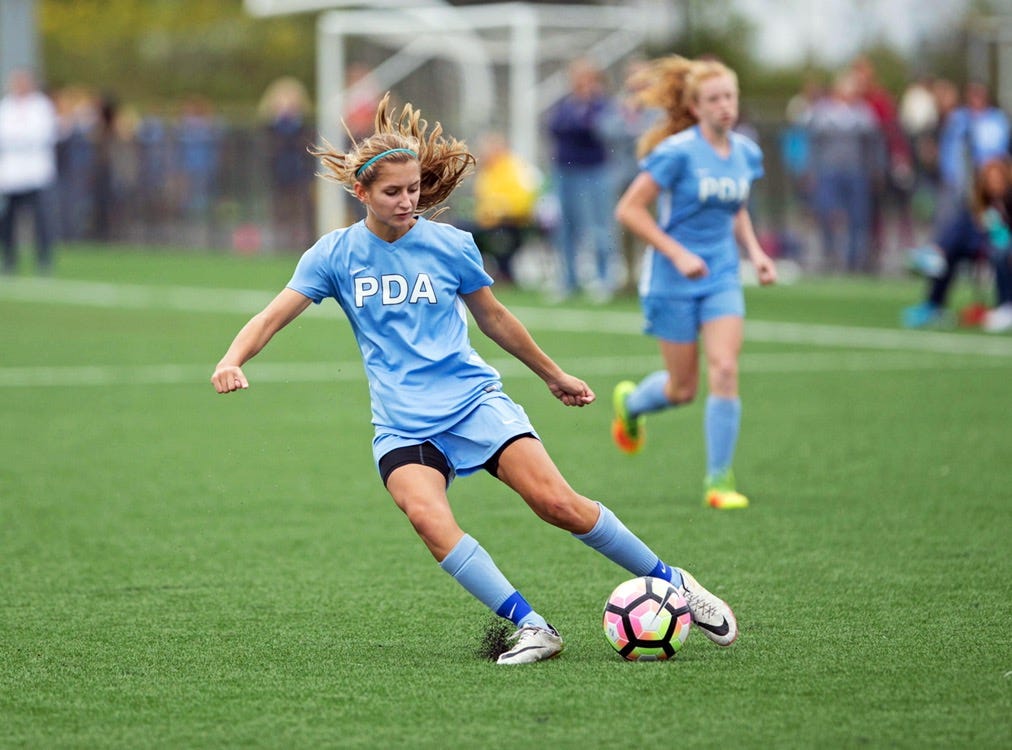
<point x="646" y="619"/>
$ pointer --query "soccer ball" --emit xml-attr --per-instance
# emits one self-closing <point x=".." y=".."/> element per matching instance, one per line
<point x="646" y="619"/>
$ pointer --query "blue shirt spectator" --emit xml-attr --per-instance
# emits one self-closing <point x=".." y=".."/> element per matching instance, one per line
<point x="580" y="125"/>
<point x="970" y="136"/>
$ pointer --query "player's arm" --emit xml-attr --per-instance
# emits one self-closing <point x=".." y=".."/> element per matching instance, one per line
<point x="744" y="234"/>
<point x="633" y="211"/>
<point x="502" y="326"/>
<point x="283" y="309"/>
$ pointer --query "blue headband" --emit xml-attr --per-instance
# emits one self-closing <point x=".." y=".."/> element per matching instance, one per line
<point x="380" y="155"/>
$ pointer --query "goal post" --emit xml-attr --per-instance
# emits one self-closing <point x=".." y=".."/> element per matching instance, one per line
<point x="480" y="67"/>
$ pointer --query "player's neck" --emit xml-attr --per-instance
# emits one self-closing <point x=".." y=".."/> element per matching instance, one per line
<point x="388" y="232"/>
<point x="718" y="138"/>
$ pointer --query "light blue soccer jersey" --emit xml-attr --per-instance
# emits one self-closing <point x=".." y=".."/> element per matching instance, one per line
<point x="403" y="302"/>
<point x="701" y="193"/>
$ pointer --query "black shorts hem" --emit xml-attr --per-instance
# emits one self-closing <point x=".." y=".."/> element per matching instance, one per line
<point x="425" y="454"/>
<point x="492" y="465"/>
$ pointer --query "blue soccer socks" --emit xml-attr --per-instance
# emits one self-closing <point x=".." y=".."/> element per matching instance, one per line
<point x="667" y="573"/>
<point x="721" y="422"/>
<point x="612" y="539"/>
<point x="648" y="396"/>
<point x="473" y="568"/>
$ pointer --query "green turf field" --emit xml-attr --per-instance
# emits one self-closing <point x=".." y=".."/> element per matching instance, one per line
<point x="185" y="570"/>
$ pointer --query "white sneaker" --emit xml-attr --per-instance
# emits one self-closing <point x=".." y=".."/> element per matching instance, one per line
<point x="532" y="644"/>
<point x="710" y="614"/>
<point x="999" y="319"/>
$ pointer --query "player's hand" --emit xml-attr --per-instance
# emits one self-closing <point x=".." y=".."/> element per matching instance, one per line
<point x="691" y="266"/>
<point x="571" y="391"/>
<point x="766" y="270"/>
<point x="228" y="378"/>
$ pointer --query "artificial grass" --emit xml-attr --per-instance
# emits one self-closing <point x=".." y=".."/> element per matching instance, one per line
<point x="183" y="570"/>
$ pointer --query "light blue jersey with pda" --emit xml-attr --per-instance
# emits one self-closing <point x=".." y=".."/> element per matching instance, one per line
<point x="701" y="193"/>
<point x="403" y="301"/>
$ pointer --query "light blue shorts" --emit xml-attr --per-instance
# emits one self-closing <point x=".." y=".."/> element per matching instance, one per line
<point x="470" y="443"/>
<point x="678" y="319"/>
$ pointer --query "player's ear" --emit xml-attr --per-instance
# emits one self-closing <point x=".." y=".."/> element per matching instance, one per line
<point x="361" y="193"/>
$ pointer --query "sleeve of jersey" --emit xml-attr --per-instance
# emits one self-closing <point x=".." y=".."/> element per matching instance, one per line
<point x="472" y="271"/>
<point x="311" y="277"/>
<point x="665" y="165"/>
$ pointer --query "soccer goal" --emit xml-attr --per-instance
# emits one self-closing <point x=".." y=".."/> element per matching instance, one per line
<point x="487" y="66"/>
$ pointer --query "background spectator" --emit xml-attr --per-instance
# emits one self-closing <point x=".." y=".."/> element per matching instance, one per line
<point x="363" y="96"/>
<point x="979" y="233"/>
<point x="579" y="127"/>
<point x="198" y="144"/>
<point x="506" y="191"/>
<point x="632" y="119"/>
<point x="102" y="175"/>
<point x="893" y="186"/>
<point x="359" y="114"/>
<point x="845" y="152"/>
<point x="795" y="143"/>
<point x="77" y="115"/>
<point x="970" y="135"/>
<point x="285" y="110"/>
<point x="918" y="116"/>
<point x="28" y="134"/>
<point x="154" y="152"/>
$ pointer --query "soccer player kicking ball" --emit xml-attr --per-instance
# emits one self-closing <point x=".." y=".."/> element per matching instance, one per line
<point x="699" y="172"/>
<point x="438" y="409"/>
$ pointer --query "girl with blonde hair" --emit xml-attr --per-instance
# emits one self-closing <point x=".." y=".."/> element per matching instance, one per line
<point x="697" y="172"/>
<point x="405" y="283"/>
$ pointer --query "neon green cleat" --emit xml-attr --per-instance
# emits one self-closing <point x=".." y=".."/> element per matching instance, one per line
<point x="721" y="494"/>
<point x="629" y="433"/>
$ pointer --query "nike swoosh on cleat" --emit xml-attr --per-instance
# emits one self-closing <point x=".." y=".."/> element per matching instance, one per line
<point x="722" y="629"/>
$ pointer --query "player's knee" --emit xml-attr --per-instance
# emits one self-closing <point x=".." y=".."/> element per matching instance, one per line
<point x="723" y="375"/>
<point x="416" y="517"/>
<point x="561" y="508"/>
<point x="422" y="514"/>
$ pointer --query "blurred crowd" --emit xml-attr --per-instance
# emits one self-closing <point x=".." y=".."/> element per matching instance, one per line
<point x="179" y="176"/>
<point x="867" y="164"/>
<point x="857" y="175"/>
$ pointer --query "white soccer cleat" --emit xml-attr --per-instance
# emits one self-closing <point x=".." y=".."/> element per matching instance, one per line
<point x="999" y="319"/>
<point x="709" y="614"/>
<point x="532" y="644"/>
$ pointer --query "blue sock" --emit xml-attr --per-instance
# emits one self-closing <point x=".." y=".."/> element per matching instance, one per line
<point x="473" y="568"/>
<point x="649" y="395"/>
<point x="722" y="418"/>
<point x="612" y="539"/>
